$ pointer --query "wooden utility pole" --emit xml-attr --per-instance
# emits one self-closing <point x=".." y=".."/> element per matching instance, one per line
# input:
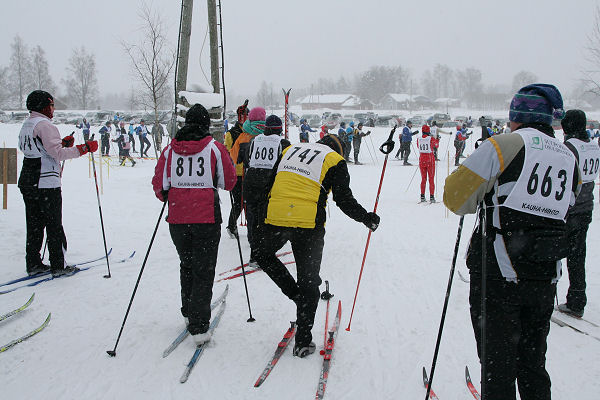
<point x="214" y="45"/>
<point x="183" y="55"/>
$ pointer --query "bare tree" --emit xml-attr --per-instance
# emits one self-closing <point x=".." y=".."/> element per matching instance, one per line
<point x="39" y="68"/>
<point x="152" y="60"/>
<point x="4" y="93"/>
<point x="20" y="71"/>
<point x="523" y="78"/>
<point x="81" y="80"/>
<point x="591" y="75"/>
<point x="263" y="96"/>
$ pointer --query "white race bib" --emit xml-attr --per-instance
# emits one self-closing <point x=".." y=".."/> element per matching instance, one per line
<point x="544" y="186"/>
<point x="264" y="151"/>
<point x="589" y="159"/>
<point x="424" y="144"/>
<point x="305" y="159"/>
<point x="192" y="171"/>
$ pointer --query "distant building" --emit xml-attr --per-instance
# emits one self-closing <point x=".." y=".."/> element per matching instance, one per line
<point x="446" y="102"/>
<point x="331" y="101"/>
<point x="404" y="101"/>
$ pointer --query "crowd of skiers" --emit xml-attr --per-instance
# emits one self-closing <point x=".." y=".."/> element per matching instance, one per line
<point x="284" y="189"/>
<point x="533" y="196"/>
<point x="115" y="131"/>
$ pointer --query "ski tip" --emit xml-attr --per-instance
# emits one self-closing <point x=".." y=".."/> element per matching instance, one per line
<point x="467" y="375"/>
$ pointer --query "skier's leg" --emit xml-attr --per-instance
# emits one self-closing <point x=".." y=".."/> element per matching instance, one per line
<point x="431" y="173"/>
<point x="577" y="227"/>
<point x="503" y="330"/>
<point x="52" y="213"/>
<point x="269" y="239"/>
<point x="307" y="245"/>
<point x="423" y="169"/>
<point x="35" y="227"/>
<point x="538" y="304"/>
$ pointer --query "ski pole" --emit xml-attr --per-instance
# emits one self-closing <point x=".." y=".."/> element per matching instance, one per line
<point x="373" y="147"/>
<point x="445" y="308"/>
<point x="482" y="227"/>
<point x="113" y="352"/>
<point x="100" y="210"/>
<point x="386" y="148"/>
<point x="237" y="236"/>
<point x="411" y="179"/>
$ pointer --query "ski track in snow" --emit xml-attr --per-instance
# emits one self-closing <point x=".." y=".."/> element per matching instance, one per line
<point x="395" y="321"/>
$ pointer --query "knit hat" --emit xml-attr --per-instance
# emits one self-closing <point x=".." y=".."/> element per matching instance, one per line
<point x="425" y="129"/>
<point x="538" y="102"/>
<point x="574" y="124"/>
<point x="273" y="125"/>
<point x="38" y="100"/>
<point x="257" y="114"/>
<point x="198" y="115"/>
<point x="351" y="123"/>
<point x="334" y="142"/>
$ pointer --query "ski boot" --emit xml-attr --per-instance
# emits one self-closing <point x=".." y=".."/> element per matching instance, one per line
<point x="303" y="351"/>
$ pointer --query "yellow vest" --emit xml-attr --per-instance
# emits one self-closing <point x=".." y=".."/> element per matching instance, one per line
<point x="294" y="197"/>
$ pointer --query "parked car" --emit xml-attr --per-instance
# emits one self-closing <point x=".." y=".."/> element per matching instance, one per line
<point x="451" y="124"/>
<point x="417" y="120"/>
<point x="4" y="117"/>
<point x="386" y="120"/>
<point x="460" y="118"/>
<point x="19" y="116"/>
<point x="312" y="119"/>
<point x="591" y="124"/>
<point x="439" y="118"/>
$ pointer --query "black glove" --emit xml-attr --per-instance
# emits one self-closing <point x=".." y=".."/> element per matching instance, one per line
<point x="372" y="221"/>
<point x="165" y="195"/>
<point x="368" y="133"/>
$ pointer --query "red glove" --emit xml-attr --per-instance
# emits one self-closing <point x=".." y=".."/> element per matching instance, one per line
<point x="68" y="141"/>
<point x="90" y="145"/>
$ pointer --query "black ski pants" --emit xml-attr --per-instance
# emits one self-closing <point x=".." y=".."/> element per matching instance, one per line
<point x="459" y="145"/>
<point x="197" y="246"/>
<point x="356" y="144"/>
<point x="144" y="141"/>
<point x="132" y="142"/>
<point x="405" y="149"/>
<point x="105" y="146"/>
<point x="43" y="210"/>
<point x="517" y="325"/>
<point x="577" y="227"/>
<point x="236" y="207"/>
<point x="307" y="246"/>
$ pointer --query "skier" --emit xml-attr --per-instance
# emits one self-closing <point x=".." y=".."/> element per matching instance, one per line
<point x="105" y="133"/>
<point x="40" y="183"/>
<point x="187" y="175"/>
<point x="509" y="177"/>
<point x="349" y="138"/>
<point x="304" y="129"/>
<point x="253" y="126"/>
<point x="142" y="132"/>
<point x="124" y="143"/>
<point x="230" y="138"/>
<point x="157" y="133"/>
<point x="405" y="141"/>
<point x="262" y="154"/>
<point x="459" y="143"/>
<point x="435" y="135"/>
<point x="131" y="134"/>
<point x="426" y="144"/>
<point x="324" y="131"/>
<point x="359" y="134"/>
<point x="579" y="216"/>
<point x="85" y="129"/>
<point x="296" y="212"/>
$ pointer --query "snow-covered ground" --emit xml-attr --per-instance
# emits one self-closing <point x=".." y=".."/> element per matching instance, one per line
<point x="393" y="331"/>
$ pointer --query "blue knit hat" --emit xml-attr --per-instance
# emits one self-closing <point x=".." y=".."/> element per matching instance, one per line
<point x="538" y="102"/>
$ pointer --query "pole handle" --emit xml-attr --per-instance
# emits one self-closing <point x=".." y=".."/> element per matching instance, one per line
<point x="388" y="146"/>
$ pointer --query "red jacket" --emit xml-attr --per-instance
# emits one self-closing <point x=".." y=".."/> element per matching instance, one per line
<point x="194" y="205"/>
<point x="428" y="159"/>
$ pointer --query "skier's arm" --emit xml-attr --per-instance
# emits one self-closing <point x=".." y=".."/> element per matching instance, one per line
<point x="415" y="132"/>
<point x="466" y="187"/>
<point x="50" y="137"/>
<point x="160" y="182"/>
<point x="338" y="179"/>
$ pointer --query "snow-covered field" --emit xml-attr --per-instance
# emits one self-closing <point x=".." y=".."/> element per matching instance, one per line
<point x="393" y="331"/>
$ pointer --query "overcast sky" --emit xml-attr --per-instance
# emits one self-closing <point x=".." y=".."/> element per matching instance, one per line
<point x="292" y="43"/>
